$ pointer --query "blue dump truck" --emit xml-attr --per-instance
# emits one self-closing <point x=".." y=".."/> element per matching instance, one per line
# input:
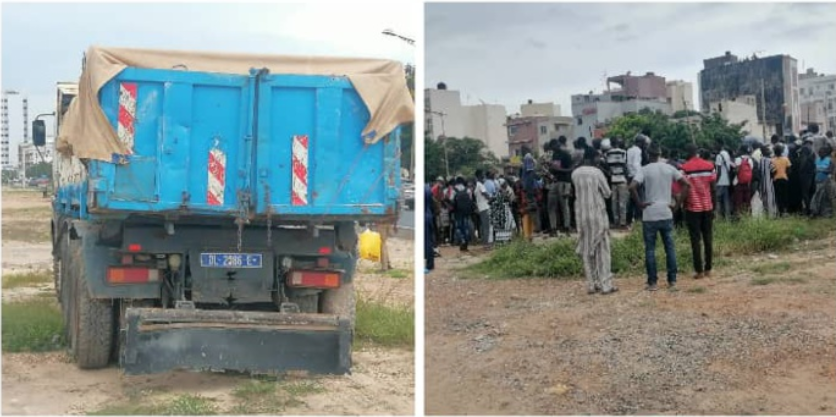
<point x="205" y="206"/>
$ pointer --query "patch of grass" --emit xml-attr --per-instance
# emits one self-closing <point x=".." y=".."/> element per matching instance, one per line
<point x="190" y="405"/>
<point x="774" y="279"/>
<point x="28" y="279"/>
<point x="397" y="273"/>
<point x="384" y="324"/>
<point x="26" y="231"/>
<point x="771" y="268"/>
<point x="697" y="290"/>
<point x="764" y="280"/>
<point x="44" y="212"/>
<point x="744" y="237"/>
<point x="267" y="396"/>
<point x="32" y="326"/>
<point x="181" y="405"/>
<point x="302" y="388"/>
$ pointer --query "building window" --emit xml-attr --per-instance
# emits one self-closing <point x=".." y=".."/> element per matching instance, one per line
<point x="543" y="130"/>
<point x="802" y="91"/>
<point x="580" y="121"/>
<point x="512" y="130"/>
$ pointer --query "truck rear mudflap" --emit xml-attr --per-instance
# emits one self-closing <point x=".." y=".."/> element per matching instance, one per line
<point x="158" y="340"/>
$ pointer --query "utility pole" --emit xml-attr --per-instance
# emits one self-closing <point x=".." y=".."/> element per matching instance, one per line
<point x="443" y="139"/>
<point x="687" y="121"/>
<point x="763" y="110"/>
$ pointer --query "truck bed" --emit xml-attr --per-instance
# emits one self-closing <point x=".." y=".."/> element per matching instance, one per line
<point x="210" y="144"/>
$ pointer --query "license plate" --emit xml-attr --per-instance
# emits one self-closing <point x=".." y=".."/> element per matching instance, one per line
<point x="230" y="260"/>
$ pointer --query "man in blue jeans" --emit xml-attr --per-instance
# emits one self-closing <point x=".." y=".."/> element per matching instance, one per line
<point x="657" y="216"/>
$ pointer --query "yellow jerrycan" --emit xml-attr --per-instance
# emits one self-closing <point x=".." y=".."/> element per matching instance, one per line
<point x="370" y="244"/>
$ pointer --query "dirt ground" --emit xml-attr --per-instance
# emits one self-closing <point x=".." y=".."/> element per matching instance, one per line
<point x="381" y="383"/>
<point x="718" y="346"/>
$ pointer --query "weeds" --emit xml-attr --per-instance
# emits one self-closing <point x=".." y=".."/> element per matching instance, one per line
<point x="268" y="396"/>
<point x="697" y="290"/>
<point x="764" y="281"/>
<point x="773" y="279"/>
<point x="26" y="231"/>
<point x="559" y="260"/>
<point x="397" y="273"/>
<point x="181" y="405"/>
<point x="28" y="279"/>
<point x="32" y="326"/>
<point x="773" y="268"/>
<point x="384" y="324"/>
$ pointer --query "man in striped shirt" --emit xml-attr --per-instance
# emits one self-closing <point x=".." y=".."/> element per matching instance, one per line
<point x="699" y="208"/>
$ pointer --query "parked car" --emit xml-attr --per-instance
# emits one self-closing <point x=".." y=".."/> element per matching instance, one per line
<point x="409" y="195"/>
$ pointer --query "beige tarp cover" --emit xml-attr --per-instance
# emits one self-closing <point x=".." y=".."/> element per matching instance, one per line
<point x="86" y="132"/>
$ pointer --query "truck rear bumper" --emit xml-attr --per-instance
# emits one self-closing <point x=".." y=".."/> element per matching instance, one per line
<point x="158" y="340"/>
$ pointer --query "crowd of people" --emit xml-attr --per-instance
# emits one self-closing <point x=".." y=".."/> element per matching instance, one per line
<point x="595" y="186"/>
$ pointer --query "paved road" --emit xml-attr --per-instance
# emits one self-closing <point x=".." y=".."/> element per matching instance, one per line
<point x="407" y="220"/>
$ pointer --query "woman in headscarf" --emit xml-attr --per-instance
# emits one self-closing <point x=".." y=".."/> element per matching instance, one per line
<point x="767" y="189"/>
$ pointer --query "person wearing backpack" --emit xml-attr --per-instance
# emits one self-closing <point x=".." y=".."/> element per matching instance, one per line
<point x="462" y="211"/>
<point x="742" y="194"/>
<point x="725" y="171"/>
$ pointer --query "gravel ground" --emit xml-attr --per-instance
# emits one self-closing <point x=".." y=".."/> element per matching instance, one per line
<point x="719" y="346"/>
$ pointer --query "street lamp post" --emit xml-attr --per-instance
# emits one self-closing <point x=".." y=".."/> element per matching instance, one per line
<point x="390" y="32"/>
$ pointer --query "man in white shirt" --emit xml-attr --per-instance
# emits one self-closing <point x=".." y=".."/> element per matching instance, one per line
<point x="482" y="204"/>
<point x="634" y="166"/>
<point x="724" y="166"/>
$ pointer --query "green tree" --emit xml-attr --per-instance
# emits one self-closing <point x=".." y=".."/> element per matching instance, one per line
<point x="673" y="134"/>
<point x="41" y="169"/>
<point x="466" y="155"/>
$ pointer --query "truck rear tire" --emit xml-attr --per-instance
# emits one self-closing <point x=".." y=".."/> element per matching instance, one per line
<point x="341" y="302"/>
<point x="92" y="319"/>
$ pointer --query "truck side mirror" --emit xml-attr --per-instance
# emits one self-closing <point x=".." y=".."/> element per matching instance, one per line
<point x="38" y="133"/>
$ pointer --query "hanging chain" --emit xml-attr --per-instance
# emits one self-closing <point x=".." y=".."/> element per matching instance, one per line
<point x="243" y="212"/>
<point x="269" y="215"/>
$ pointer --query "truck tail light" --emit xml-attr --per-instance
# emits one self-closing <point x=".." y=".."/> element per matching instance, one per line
<point x="134" y="247"/>
<point x="131" y="275"/>
<point x="325" y="250"/>
<point x="314" y="279"/>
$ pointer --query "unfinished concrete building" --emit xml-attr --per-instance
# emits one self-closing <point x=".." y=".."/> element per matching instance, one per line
<point x="772" y="80"/>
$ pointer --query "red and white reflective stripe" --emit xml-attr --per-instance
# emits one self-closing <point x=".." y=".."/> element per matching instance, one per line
<point x="127" y="115"/>
<point x="217" y="177"/>
<point x="300" y="170"/>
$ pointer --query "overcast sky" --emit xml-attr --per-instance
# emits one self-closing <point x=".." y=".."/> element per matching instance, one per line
<point x="509" y="53"/>
<point x="44" y="43"/>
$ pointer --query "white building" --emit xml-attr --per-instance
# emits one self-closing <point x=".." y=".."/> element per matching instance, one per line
<point x="744" y="110"/>
<point x="444" y="115"/>
<point x="680" y="95"/>
<point x="593" y="111"/>
<point x="28" y="155"/>
<point x="532" y="109"/>
<point x="817" y="94"/>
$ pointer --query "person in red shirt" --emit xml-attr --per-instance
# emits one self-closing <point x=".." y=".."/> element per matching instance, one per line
<point x="699" y="208"/>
